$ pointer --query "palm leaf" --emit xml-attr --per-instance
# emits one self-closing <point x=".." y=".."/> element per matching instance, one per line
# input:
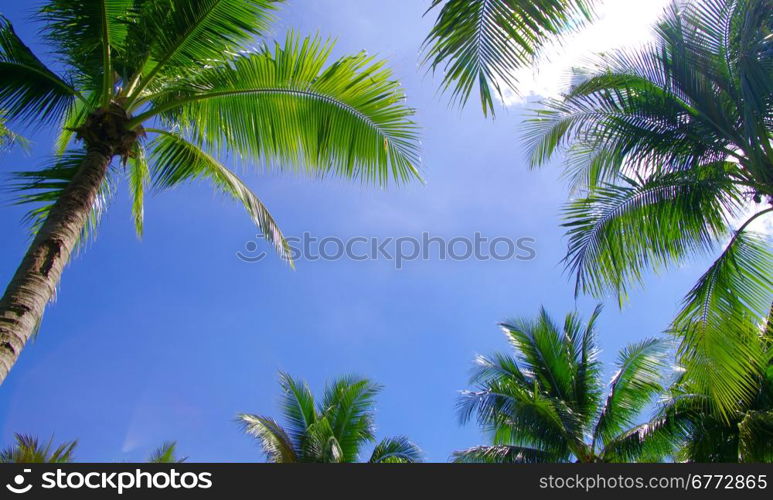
<point x="503" y="454"/>
<point x="396" y="450"/>
<point x="43" y="187"/>
<point x="28" y="449"/>
<point x="619" y="231"/>
<point x="756" y="437"/>
<point x="651" y="442"/>
<point x="166" y="454"/>
<point x="171" y="39"/>
<point x="174" y="160"/>
<point x="720" y="322"/>
<point x="298" y="409"/>
<point x="347" y="404"/>
<point x="638" y="379"/>
<point x="545" y="353"/>
<point x="138" y="177"/>
<point x="513" y="410"/>
<point x="483" y="42"/>
<point x="88" y="36"/>
<point x="287" y="107"/>
<point x="29" y="91"/>
<point x="8" y="138"/>
<point x="277" y="445"/>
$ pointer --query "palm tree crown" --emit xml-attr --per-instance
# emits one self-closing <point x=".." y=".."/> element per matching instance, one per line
<point x="333" y="430"/>
<point x="547" y="403"/>
<point x="30" y="450"/>
<point x="167" y="87"/>
<point x="670" y="150"/>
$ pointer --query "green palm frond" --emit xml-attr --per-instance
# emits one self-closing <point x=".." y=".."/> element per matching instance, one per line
<point x="587" y="379"/>
<point x="29" y="449"/>
<point x="396" y="450"/>
<point x="75" y="116"/>
<point x="688" y="418"/>
<point x="41" y="188"/>
<point x="174" y="160"/>
<point x="348" y="404"/>
<point x="288" y="107"/>
<point x="166" y="454"/>
<point x="720" y="321"/>
<point x="170" y="40"/>
<point x="298" y="409"/>
<point x="617" y="232"/>
<point x="321" y="444"/>
<point x="8" y="138"/>
<point x="514" y="408"/>
<point x="651" y="442"/>
<point x="138" y="177"/>
<point x="276" y="444"/>
<point x="484" y="42"/>
<point x="756" y="437"/>
<point x="555" y="358"/>
<point x="637" y="381"/>
<point x="516" y="415"/>
<point x="503" y="454"/>
<point x="29" y="91"/>
<point x="89" y="36"/>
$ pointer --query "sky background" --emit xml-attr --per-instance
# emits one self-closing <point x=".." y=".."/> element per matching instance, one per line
<point x="170" y="337"/>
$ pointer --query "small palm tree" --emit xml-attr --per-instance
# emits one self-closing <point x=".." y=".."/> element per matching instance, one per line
<point x="482" y="43"/>
<point x="30" y="450"/>
<point x="331" y="431"/>
<point x="156" y="91"/>
<point x="670" y="149"/>
<point x="166" y="454"/>
<point x="547" y="404"/>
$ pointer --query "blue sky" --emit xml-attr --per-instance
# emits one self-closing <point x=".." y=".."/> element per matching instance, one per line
<point x="170" y="337"/>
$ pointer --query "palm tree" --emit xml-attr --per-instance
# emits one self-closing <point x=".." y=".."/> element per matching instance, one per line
<point x="30" y="450"/>
<point x="670" y="149"/>
<point x="166" y="454"/>
<point x="700" y="435"/>
<point x="484" y="42"/>
<point x="331" y="431"/>
<point x="547" y="404"/>
<point x="164" y="87"/>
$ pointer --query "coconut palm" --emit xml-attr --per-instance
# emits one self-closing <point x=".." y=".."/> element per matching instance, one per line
<point x="547" y="403"/>
<point x="669" y="147"/>
<point x="30" y="450"/>
<point x="698" y="434"/>
<point x="482" y="43"/>
<point x="157" y="91"/>
<point x="333" y="430"/>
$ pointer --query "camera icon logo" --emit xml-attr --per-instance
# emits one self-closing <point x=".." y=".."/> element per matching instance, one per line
<point x="18" y="481"/>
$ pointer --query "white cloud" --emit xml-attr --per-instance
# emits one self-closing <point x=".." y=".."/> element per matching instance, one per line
<point x="762" y="224"/>
<point x="620" y="24"/>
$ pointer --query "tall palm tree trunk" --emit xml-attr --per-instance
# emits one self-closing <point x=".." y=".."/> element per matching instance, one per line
<point x="35" y="281"/>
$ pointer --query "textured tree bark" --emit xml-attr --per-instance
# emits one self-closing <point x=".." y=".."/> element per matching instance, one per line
<point x="35" y="281"/>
